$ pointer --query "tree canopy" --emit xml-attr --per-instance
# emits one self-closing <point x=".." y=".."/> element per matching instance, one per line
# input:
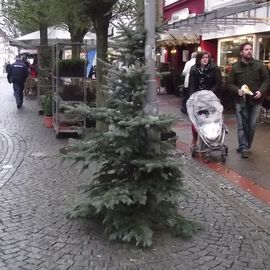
<point x="24" y="16"/>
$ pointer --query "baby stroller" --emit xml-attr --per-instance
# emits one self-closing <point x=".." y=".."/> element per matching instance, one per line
<point x="205" y="112"/>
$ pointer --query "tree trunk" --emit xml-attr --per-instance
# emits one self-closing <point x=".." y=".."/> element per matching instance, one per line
<point x="159" y="11"/>
<point x="77" y="36"/>
<point x="140" y="7"/>
<point x="101" y="24"/>
<point x="101" y="12"/>
<point x="45" y="57"/>
<point x="140" y="4"/>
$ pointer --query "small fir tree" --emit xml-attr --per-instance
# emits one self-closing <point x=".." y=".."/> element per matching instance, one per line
<point x="134" y="188"/>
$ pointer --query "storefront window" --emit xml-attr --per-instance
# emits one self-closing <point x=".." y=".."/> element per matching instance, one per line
<point x="229" y="52"/>
<point x="264" y="51"/>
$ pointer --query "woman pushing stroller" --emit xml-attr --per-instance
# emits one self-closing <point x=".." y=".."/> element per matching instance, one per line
<point x="204" y="75"/>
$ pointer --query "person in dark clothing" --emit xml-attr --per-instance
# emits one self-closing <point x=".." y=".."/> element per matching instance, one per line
<point x="17" y="75"/>
<point x="247" y="74"/>
<point x="204" y="75"/>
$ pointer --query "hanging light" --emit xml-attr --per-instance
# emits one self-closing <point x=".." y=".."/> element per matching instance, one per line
<point x="173" y="51"/>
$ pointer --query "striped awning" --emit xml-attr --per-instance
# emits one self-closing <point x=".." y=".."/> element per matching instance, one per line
<point x="245" y="13"/>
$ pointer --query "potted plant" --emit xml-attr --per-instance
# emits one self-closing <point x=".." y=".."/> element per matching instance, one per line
<point x="72" y="68"/>
<point x="48" y="118"/>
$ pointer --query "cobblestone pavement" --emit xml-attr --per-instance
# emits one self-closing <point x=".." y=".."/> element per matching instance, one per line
<point x="36" y="189"/>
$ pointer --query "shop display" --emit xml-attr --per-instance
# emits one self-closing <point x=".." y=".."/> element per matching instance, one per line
<point x="69" y="88"/>
<point x="229" y="52"/>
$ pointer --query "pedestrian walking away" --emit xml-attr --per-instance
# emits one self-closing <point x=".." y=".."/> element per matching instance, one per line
<point x="17" y="75"/>
<point x="185" y="73"/>
<point x="248" y="80"/>
<point x="204" y="75"/>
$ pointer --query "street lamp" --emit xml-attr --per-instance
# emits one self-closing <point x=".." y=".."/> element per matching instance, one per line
<point x="151" y="105"/>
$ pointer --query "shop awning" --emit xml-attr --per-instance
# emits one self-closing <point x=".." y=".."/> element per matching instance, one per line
<point x="173" y="37"/>
<point x="247" y="13"/>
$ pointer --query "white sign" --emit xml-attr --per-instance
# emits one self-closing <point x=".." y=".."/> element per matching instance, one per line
<point x="168" y="2"/>
<point x="180" y="15"/>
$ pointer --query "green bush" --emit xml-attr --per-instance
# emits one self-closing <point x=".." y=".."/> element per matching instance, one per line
<point x="72" y="68"/>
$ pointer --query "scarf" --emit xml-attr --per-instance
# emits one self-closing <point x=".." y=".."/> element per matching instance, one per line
<point x="203" y="77"/>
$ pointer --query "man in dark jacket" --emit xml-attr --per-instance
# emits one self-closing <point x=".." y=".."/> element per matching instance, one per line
<point x="17" y="75"/>
<point x="253" y="74"/>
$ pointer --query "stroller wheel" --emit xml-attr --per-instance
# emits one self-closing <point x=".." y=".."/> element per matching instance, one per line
<point x="226" y="150"/>
<point x="206" y="157"/>
<point x="223" y="158"/>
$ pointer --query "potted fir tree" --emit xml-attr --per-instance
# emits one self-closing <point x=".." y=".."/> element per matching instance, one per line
<point x="136" y="185"/>
<point x="48" y="118"/>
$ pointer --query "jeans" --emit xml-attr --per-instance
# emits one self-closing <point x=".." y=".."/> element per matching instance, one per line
<point x="18" y="93"/>
<point x="247" y="117"/>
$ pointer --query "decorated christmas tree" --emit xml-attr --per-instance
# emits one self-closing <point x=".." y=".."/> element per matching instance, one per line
<point x="136" y="186"/>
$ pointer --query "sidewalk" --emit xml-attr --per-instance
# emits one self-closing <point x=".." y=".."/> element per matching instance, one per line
<point x="38" y="189"/>
<point x="254" y="169"/>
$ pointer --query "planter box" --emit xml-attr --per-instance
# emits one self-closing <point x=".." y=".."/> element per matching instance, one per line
<point x="70" y="118"/>
<point x="71" y="89"/>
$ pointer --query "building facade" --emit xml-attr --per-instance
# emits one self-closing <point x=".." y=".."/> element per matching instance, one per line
<point x="250" y="23"/>
<point x="223" y="25"/>
<point x="176" y="47"/>
<point x="7" y="53"/>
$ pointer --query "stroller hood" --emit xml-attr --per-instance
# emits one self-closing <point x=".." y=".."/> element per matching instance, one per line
<point x="205" y="113"/>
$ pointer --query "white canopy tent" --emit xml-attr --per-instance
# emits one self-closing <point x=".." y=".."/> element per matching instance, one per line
<point x="55" y="35"/>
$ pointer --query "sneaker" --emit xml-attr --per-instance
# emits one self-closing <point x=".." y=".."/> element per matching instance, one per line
<point x="244" y="154"/>
<point x="239" y="151"/>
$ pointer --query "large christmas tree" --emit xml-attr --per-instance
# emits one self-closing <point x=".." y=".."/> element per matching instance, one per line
<point x="136" y="185"/>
